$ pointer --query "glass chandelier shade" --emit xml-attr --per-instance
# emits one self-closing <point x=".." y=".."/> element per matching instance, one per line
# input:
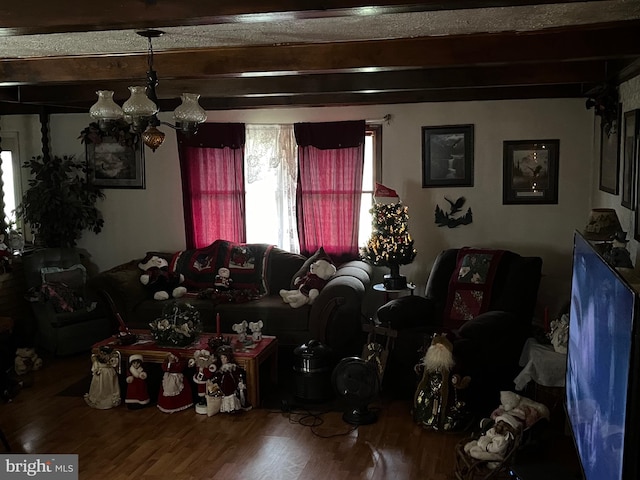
<point x="139" y="108"/>
<point x="105" y="109"/>
<point x="189" y="113"/>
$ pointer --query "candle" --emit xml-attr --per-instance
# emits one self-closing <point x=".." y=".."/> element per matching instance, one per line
<point x="217" y="324"/>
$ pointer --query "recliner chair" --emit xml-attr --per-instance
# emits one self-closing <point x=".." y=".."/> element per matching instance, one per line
<point x="486" y="346"/>
<point x="65" y="332"/>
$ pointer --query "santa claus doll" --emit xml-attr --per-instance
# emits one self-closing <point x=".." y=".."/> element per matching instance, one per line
<point x="205" y="366"/>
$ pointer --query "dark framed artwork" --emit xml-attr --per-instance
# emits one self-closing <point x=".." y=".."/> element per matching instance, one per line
<point x="447" y="156"/>
<point x="629" y="137"/>
<point x="114" y="165"/>
<point x="610" y="154"/>
<point x="530" y="172"/>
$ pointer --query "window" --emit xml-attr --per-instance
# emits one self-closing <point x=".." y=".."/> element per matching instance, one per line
<point x="371" y="173"/>
<point x="11" y="188"/>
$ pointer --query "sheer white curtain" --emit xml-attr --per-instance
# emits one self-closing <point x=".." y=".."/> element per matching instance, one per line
<point x="270" y="185"/>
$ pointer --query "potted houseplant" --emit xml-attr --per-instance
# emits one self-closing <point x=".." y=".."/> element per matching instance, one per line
<point x="60" y="204"/>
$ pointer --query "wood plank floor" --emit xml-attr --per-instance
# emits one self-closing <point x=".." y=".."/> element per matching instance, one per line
<point x="259" y="444"/>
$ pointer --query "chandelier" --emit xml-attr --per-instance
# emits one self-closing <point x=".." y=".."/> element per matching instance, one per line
<point x="141" y="109"/>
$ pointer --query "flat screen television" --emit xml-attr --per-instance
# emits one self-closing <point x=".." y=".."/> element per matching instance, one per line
<point x="602" y="398"/>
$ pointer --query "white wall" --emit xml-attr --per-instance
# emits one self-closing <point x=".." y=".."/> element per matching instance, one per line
<point x="151" y="219"/>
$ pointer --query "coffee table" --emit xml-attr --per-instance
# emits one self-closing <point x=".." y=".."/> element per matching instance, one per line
<point x="248" y="358"/>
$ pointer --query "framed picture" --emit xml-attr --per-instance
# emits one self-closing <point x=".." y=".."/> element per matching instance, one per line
<point x="629" y="137"/>
<point x="113" y="165"/>
<point x="530" y="172"/>
<point x="447" y="156"/>
<point x="610" y="154"/>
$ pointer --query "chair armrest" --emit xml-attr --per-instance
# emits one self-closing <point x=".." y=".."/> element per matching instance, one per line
<point x="408" y="312"/>
<point x="493" y="326"/>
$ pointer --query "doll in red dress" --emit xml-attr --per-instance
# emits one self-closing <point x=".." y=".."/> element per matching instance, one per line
<point x="175" y="391"/>
<point x="230" y="378"/>
<point x="137" y="393"/>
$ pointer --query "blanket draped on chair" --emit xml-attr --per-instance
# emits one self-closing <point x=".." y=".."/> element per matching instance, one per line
<point x="245" y="261"/>
<point x="470" y="285"/>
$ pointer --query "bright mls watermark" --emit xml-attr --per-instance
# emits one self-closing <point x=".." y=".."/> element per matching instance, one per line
<point x="15" y="466"/>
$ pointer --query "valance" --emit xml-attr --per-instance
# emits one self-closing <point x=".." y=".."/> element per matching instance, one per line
<point x="330" y="135"/>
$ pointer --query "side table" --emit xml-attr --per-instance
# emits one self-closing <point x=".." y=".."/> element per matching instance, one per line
<point x="546" y="368"/>
<point x="379" y="287"/>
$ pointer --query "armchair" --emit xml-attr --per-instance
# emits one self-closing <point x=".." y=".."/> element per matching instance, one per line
<point x="76" y="327"/>
<point x="487" y="336"/>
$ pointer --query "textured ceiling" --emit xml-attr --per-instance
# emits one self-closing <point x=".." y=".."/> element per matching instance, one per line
<point x="320" y="30"/>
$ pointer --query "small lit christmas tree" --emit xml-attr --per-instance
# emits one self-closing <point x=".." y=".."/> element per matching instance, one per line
<point x="390" y="244"/>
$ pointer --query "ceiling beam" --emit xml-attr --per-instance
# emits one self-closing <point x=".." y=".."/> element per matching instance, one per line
<point x="605" y="41"/>
<point x="63" y="16"/>
<point x="588" y="72"/>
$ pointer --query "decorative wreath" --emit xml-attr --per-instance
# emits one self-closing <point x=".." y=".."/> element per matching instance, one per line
<point x="118" y="129"/>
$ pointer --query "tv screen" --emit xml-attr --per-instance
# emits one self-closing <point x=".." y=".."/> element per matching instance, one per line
<point x="600" y="366"/>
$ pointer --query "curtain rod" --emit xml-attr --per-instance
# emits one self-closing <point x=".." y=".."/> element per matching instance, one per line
<point x="386" y="119"/>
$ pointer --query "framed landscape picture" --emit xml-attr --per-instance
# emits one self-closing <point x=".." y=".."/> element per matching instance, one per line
<point x="610" y="154"/>
<point x="629" y="137"/>
<point x="447" y="156"/>
<point x="530" y="172"/>
<point x="113" y="165"/>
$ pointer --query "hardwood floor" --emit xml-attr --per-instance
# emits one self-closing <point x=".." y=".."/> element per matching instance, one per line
<point x="258" y="444"/>
<point x="265" y="444"/>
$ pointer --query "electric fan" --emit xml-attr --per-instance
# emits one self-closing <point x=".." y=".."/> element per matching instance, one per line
<point x="357" y="381"/>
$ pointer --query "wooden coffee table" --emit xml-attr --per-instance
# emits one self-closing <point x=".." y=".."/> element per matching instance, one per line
<point x="248" y="358"/>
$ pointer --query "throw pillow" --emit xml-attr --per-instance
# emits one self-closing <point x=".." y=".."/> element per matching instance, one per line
<point x="304" y="269"/>
<point x="62" y="297"/>
<point x="73" y="277"/>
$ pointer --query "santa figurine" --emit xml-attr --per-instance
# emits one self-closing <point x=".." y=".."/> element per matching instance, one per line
<point x="137" y="393"/>
<point x="175" y="392"/>
<point x="230" y="378"/>
<point x="205" y="365"/>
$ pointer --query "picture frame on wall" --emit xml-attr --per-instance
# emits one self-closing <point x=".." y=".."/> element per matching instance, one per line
<point x="629" y="135"/>
<point x="530" y="172"/>
<point x="610" y="154"/>
<point x="447" y="156"/>
<point x="115" y="165"/>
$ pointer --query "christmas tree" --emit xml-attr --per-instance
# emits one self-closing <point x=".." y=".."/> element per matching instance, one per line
<point x="390" y="244"/>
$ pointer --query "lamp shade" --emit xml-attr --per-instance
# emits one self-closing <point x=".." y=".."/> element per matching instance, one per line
<point x="602" y="225"/>
<point x="189" y="113"/>
<point x="105" y="109"/>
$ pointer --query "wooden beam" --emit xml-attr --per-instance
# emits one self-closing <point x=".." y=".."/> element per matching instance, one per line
<point x="487" y="76"/>
<point x="61" y="16"/>
<point x="606" y="41"/>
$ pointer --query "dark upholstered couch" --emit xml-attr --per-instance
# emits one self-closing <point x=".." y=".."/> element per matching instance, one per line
<point x="334" y="317"/>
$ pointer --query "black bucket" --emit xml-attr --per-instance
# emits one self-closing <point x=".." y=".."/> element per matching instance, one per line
<point x="312" y="371"/>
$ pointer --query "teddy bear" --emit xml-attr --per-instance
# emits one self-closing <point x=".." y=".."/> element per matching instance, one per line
<point x="310" y="285"/>
<point x="27" y="360"/>
<point x="159" y="280"/>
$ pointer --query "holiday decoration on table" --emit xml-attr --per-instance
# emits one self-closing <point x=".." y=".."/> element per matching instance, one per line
<point x="390" y="244"/>
<point x="178" y="326"/>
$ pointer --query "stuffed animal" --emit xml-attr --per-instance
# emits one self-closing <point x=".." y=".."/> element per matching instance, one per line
<point x="159" y="280"/>
<point x="310" y="285"/>
<point x="27" y="360"/>
<point x="223" y="279"/>
<point x="256" y="330"/>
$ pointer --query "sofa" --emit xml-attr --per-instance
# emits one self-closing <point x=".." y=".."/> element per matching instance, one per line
<point x="486" y="345"/>
<point x="334" y="317"/>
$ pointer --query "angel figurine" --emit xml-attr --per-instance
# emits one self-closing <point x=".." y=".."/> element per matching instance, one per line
<point x="104" y="392"/>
